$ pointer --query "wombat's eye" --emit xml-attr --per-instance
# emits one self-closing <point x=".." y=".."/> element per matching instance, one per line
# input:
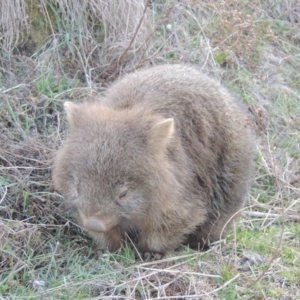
<point x="123" y="193"/>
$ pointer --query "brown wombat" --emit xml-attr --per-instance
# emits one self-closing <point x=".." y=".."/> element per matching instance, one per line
<point x="164" y="158"/>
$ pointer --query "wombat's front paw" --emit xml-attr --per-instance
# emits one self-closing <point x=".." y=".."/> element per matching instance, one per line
<point x="100" y="250"/>
<point x="151" y="256"/>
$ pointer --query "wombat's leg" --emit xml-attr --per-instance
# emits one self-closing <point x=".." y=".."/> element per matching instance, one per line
<point x="221" y="226"/>
<point x="211" y="231"/>
<point x="154" y="245"/>
<point x="198" y="240"/>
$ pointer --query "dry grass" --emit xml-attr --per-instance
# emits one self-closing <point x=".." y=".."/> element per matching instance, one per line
<point x="71" y="50"/>
<point x="13" y="17"/>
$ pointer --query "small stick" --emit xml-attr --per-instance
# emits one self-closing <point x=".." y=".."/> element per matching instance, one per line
<point x="201" y="295"/>
<point x="256" y="214"/>
<point x="132" y="39"/>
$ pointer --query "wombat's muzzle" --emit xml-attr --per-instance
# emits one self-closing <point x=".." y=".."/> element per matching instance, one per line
<point x="94" y="225"/>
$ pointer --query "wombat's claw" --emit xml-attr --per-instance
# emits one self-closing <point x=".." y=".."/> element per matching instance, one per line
<point x="152" y="256"/>
<point x="100" y="250"/>
<point x="157" y="256"/>
<point x="147" y="256"/>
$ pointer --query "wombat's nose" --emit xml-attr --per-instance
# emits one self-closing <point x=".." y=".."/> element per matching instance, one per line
<point x="94" y="225"/>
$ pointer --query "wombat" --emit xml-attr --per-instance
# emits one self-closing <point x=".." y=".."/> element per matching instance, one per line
<point x="164" y="158"/>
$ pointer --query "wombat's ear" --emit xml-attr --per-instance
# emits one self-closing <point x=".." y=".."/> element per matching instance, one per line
<point x="161" y="133"/>
<point x="70" y="109"/>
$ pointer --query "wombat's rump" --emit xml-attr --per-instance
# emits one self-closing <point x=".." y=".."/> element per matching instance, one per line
<point x="164" y="158"/>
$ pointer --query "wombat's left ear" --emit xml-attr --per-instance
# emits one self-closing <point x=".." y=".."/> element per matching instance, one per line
<point x="70" y="109"/>
<point x="161" y="133"/>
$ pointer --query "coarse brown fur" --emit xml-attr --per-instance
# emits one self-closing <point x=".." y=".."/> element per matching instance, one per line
<point x="164" y="158"/>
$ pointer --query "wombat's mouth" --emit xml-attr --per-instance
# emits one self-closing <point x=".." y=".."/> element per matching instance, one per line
<point x="130" y="229"/>
<point x="132" y="232"/>
<point x="98" y="225"/>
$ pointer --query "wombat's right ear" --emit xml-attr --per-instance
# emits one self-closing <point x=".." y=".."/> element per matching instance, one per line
<point x="161" y="133"/>
<point x="70" y="109"/>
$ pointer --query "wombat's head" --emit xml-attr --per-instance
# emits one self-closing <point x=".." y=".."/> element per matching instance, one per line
<point x="112" y="164"/>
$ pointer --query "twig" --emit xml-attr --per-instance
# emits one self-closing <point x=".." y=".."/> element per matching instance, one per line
<point x="142" y="60"/>
<point x="171" y="259"/>
<point x="256" y="214"/>
<point x="201" y="295"/>
<point x="134" y="247"/>
<point x="4" y="193"/>
<point x="131" y="41"/>
<point x="14" y="87"/>
<point x="180" y="272"/>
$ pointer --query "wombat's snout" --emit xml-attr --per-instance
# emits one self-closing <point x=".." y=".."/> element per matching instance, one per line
<point x="97" y="224"/>
<point x="94" y="224"/>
